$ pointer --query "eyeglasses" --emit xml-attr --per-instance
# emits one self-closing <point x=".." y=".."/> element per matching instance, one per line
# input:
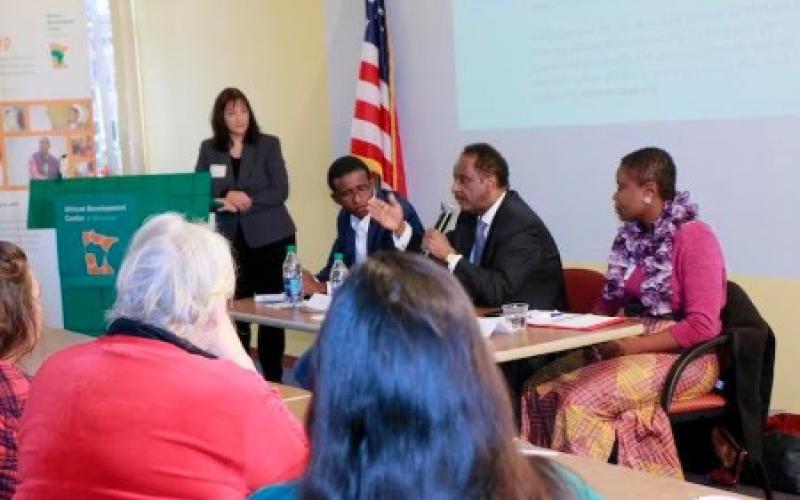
<point x="350" y="194"/>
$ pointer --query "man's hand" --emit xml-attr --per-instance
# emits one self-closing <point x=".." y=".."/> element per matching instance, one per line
<point x="388" y="214"/>
<point x="311" y="285"/>
<point x="240" y="200"/>
<point x="437" y="244"/>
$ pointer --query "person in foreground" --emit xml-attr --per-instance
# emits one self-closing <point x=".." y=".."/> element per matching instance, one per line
<point x="407" y="400"/>
<point x="166" y="404"/>
<point x="250" y="184"/>
<point x="666" y="266"/>
<point x="20" y="330"/>
<point x="371" y="219"/>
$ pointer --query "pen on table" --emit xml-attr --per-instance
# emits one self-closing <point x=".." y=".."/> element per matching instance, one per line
<point x="555" y="313"/>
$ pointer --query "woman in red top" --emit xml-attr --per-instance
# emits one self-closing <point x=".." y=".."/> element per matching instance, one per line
<point x="166" y="404"/>
<point x="20" y="329"/>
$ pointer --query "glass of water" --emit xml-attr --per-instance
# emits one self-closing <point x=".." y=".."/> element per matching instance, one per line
<point x="516" y="315"/>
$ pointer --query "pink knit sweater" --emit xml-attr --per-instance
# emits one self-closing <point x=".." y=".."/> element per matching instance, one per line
<point x="698" y="285"/>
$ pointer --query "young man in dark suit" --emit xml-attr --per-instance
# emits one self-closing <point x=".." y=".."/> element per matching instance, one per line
<point x="371" y="219"/>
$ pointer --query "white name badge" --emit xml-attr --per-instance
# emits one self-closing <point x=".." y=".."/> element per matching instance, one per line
<point x="218" y="170"/>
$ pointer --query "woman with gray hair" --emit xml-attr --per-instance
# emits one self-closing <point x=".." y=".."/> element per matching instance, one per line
<point x="167" y="403"/>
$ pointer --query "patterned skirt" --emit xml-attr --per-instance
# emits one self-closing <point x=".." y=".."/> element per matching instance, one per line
<point x="579" y="406"/>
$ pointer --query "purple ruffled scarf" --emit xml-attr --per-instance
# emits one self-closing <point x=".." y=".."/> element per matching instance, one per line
<point x="652" y="249"/>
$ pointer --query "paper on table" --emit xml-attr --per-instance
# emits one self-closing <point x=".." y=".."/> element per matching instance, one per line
<point x="527" y="448"/>
<point x="318" y="302"/>
<point x="277" y="305"/>
<point x="269" y="297"/>
<point x="557" y="319"/>
<point x="539" y="452"/>
<point x="491" y="325"/>
<point x="487" y="325"/>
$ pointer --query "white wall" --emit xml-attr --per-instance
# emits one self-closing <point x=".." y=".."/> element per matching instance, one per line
<point x="189" y="50"/>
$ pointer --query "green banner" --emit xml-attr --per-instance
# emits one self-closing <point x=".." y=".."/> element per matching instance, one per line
<point x="94" y="220"/>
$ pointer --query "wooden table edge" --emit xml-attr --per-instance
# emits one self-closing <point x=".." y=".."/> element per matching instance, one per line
<point x="567" y="344"/>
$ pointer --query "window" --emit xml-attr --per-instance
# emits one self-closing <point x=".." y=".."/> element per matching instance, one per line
<point x="104" y="89"/>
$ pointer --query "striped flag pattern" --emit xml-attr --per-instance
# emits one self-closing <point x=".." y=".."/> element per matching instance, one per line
<point x="375" y="134"/>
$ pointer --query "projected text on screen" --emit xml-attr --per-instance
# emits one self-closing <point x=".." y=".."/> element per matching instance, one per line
<point x="582" y="62"/>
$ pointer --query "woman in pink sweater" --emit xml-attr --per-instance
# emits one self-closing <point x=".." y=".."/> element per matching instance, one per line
<point x="666" y="267"/>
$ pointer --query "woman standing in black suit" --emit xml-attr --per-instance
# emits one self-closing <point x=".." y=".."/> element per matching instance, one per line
<point x="250" y="185"/>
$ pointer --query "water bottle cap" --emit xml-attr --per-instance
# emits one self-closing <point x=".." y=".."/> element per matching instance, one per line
<point x="291" y="248"/>
<point x="338" y="256"/>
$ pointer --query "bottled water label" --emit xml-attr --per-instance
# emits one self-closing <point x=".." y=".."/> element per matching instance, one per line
<point x="338" y="273"/>
<point x="293" y="287"/>
<point x="293" y="276"/>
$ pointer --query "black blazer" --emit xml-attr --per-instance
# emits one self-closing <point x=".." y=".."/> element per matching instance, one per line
<point x="749" y="382"/>
<point x="262" y="175"/>
<point x="378" y="238"/>
<point x="520" y="261"/>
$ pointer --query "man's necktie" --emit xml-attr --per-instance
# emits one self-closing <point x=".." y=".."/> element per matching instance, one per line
<point x="480" y="242"/>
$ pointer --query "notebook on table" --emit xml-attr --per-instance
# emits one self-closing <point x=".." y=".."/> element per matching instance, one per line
<point x="571" y="321"/>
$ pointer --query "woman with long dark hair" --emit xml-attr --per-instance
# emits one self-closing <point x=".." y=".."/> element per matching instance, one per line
<point x="251" y="186"/>
<point x="408" y="402"/>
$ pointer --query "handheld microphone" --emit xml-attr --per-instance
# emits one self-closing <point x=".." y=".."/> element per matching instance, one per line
<point x="445" y="215"/>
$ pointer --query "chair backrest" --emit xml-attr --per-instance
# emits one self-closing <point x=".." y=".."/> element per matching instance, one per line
<point x="739" y="310"/>
<point x="749" y="381"/>
<point x="583" y="289"/>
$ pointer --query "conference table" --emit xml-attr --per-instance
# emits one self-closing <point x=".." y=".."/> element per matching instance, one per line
<point x="618" y="482"/>
<point x="533" y="341"/>
<point x="611" y="481"/>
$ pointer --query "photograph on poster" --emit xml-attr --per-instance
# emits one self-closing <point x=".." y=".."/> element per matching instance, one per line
<point x="82" y="146"/>
<point x="14" y="119"/>
<point x="88" y="168"/>
<point x="78" y="116"/>
<point x="57" y="116"/>
<point x="34" y="157"/>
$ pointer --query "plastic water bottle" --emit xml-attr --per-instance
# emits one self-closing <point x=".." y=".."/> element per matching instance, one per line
<point x="338" y="273"/>
<point x="293" y="277"/>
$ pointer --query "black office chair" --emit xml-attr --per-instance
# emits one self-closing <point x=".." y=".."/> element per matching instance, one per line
<point x="740" y="403"/>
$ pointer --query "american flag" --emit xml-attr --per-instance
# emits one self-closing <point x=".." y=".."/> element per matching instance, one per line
<point x="375" y="134"/>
